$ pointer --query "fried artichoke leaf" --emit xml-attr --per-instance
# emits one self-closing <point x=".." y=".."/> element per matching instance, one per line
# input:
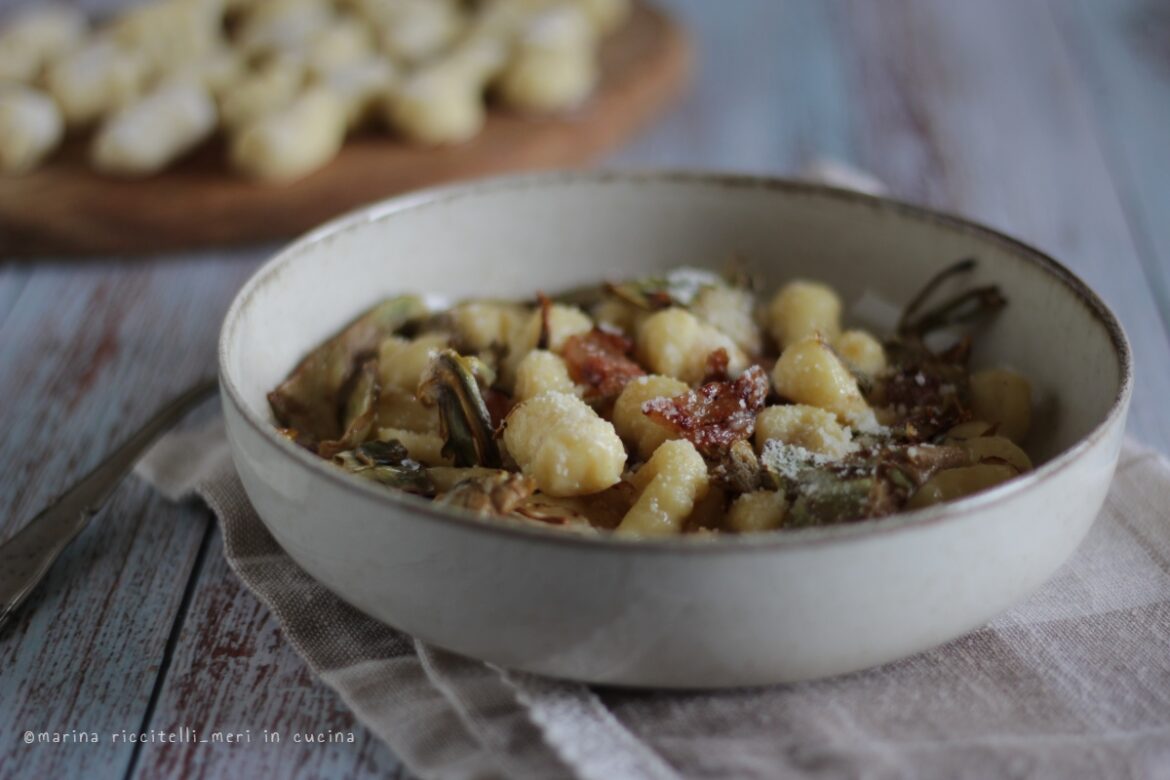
<point x="387" y="463"/>
<point x="310" y="400"/>
<point x="360" y="414"/>
<point x="873" y="482"/>
<point x="495" y="494"/>
<point x="451" y="383"/>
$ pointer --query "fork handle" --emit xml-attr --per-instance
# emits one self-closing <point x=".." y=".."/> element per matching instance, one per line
<point x="25" y="559"/>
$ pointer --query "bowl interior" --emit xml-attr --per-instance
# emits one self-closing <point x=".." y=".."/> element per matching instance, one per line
<point x="511" y="237"/>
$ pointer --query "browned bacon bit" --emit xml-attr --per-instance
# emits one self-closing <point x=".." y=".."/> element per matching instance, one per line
<point x="717" y="414"/>
<point x="498" y="405"/>
<point x="599" y="360"/>
<point x="545" y="304"/>
<point x="716" y="368"/>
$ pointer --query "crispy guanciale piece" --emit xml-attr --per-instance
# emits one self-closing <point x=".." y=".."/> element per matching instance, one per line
<point x="310" y="399"/>
<point x="600" y="360"/>
<point x="716" y="414"/>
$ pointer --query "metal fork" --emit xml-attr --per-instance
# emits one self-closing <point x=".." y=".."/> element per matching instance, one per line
<point x="25" y="559"/>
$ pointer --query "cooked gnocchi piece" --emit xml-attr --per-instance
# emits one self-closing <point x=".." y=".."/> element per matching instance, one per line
<point x="1003" y="398"/>
<point x="402" y="362"/>
<point x="808" y="372"/>
<point x="542" y="372"/>
<point x="731" y="310"/>
<point x="643" y="433"/>
<point x="801" y="309"/>
<point x="816" y="430"/>
<point x="663" y="420"/>
<point x="548" y="329"/>
<point x="861" y="350"/>
<point x="669" y="485"/>
<point x="676" y="343"/>
<point x="760" y="510"/>
<point x="559" y="441"/>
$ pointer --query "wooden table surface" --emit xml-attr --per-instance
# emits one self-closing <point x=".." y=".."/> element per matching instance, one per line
<point x="1048" y="120"/>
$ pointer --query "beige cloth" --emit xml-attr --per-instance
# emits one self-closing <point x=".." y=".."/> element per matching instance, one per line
<point x="1073" y="683"/>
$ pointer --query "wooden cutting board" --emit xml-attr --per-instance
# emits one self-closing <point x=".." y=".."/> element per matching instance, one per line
<point x="66" y="208"/>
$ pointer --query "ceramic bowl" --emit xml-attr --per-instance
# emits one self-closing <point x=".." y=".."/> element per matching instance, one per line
<point x="676" y="613"/>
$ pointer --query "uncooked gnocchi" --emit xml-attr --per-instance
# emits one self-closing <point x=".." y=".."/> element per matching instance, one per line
<point x="30" y="127"/>
<point x="422" y="71"/>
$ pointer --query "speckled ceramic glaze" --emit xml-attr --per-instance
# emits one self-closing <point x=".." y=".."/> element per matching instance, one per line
<point x="680" y="613"/>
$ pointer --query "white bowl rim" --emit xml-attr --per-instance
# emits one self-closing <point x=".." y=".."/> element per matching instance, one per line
<point x="697" y="544"/>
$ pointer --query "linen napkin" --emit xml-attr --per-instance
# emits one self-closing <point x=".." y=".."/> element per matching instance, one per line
<point x="1074" y="682"/>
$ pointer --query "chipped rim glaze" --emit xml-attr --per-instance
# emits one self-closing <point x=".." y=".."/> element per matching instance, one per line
<point x="901" y="522"/>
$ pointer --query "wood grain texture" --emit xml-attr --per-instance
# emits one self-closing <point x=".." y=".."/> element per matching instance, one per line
<point x="86" y="355"/>
<point x="1021" y="114"/>
<point x="1121" y="49"/>
<point x="976" y="108"/>
<point x="233" y="671"/>
<point x="66" y="207"/>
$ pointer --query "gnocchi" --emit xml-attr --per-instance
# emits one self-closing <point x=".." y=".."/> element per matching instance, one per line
<point x="559" y="441"/>
<point x="861" y="351"/>
<point x="147" y="135"/>
<point x="1004" y="399"/>
<point x="669" y="484"/>
<point x="30" y="127"/>
<point x="429" y="69"/>
<point x="808" y="372"/>
<point x="541" y="372"/>
<point x="802" y="309"/>
<point x="760" y="510"/>
<point x="816" y="430"/>
<point x="95" y="80"/>
<point x="644" y="408"/>
<point x="676" y="343"/>
<point x="36" y="36"/>
<point x="294" y="141"/>
<point x="639" y="431"/>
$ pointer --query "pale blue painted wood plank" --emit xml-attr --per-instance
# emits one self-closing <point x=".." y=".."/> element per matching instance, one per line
<point x="770" y="91"/>
<point x="13" y="279"/>
<point x="1122" y="50"/>
<point x="88" y="353"/>
<point x="233" y="670"/>
<point x="84" y="653"/>
<point x="976" y="108"/>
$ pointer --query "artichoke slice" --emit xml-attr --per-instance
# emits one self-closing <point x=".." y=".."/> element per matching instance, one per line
<point x="361" y="412"/>
<point x="497" y="494"/>
<point x="310" y="400"/>
<point x="388" y="463"/>
<point x="452" y="383"/>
